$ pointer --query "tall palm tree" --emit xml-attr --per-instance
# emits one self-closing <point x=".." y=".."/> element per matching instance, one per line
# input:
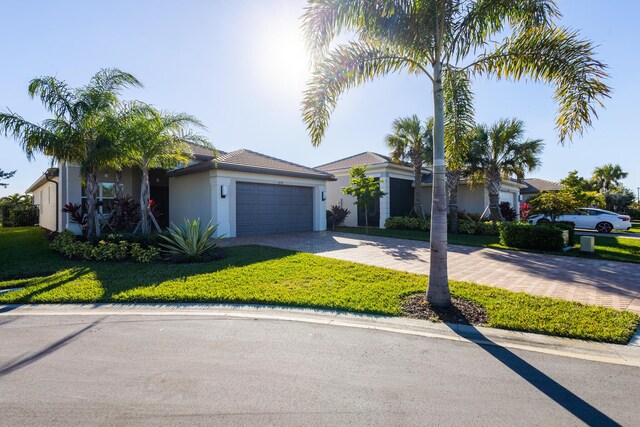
<point x="412" y="141"/>
<point x="155" y="139"/>
<point x="606" y="176"/>
<point x="76" y="131"/>
<point x="500" y="152"/>
<point x="448" y="42"/>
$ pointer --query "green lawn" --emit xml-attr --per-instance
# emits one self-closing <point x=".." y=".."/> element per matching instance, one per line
<point x="255" y="274"/>
<point x="607" y="248"/>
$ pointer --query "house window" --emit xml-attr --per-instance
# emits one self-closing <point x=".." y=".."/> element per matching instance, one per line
<point x="105" y="197"/>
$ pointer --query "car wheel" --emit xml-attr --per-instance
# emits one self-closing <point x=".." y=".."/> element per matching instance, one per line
<point x="604" y="227"/>
<point x="543" y="221"/>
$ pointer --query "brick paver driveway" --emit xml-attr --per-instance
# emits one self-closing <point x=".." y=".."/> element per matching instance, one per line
<point x="606" y="283"/>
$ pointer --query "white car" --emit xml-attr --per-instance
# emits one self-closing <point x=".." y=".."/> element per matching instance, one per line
<point x="590" y="218"/>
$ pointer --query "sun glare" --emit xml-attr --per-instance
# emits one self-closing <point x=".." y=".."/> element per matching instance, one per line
<point x="282" y="60"/>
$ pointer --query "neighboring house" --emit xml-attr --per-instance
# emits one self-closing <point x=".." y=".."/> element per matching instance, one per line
<point x="244" y="192"/>
<point x="534" y="186"/>
<point x="45" y="197"/>
<point x="398" y="182"/>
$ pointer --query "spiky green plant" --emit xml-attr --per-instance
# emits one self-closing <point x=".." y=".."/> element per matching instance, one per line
<point x="191" y="241"/>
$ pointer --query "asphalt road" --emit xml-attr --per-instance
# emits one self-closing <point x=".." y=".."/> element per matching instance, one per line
<point x="133" y="370"/>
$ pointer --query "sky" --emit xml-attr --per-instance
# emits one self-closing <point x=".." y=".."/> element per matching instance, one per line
<point x="241" y="66"/>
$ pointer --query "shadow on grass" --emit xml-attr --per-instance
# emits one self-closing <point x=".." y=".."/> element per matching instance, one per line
<point x="118" y="278"/>
<point x="20" y="363"/>
<point x="555" y="391"/>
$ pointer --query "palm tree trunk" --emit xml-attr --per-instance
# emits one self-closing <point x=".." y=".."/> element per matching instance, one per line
<point x="145" y="225"/>
<point x="119" y="192"/>
<point x="493" y="188"/>
<point x="119" y="185"/>
<point x="417" y="192"/>
<point x="438" y="290"/>
<point x="91" y="190"/>
<point x="453" y="180"/>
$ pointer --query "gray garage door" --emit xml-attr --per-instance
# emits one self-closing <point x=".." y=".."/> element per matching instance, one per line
<point x="266" y="208"/>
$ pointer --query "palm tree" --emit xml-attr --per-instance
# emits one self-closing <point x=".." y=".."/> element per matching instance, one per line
<point x="77" y="131"/>
<point x="448" y="42"/>
<point x="607" y="175"/>
<point x="499" y="152"/>
<point x="16" y="200"/>
<point x="412" y="141"/>
<point x="155" y="139"/>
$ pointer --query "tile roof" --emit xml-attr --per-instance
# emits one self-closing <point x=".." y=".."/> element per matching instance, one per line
<point x="366" y="158"/>
<point x="200" y="152"/>
<point x="250" y="161"/>
<point x="536" y="185"/>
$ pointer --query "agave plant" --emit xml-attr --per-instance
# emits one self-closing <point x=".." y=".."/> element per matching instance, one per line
<point x="190" y="241"/>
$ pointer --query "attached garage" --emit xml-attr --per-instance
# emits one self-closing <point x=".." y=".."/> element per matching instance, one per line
<point x="247" y="193"/>
<point x="269" y="208"/>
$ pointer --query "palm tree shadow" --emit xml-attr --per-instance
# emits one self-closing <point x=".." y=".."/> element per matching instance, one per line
<point x="538" y="379"/>
<point x="22" y="362"/>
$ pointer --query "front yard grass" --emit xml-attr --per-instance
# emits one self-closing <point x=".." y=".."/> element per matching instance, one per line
<point x="606" y="248"/>
<point x="263" y="275"/>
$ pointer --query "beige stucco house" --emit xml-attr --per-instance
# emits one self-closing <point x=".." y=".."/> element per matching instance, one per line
<point x="244" y="192"/>
<point x="397" y="181"/>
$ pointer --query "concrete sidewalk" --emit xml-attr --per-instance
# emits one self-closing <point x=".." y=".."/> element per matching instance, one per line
<point x="605" y="283"/>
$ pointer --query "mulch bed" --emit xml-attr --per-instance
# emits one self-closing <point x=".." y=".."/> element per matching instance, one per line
<point x="461" y="311"/>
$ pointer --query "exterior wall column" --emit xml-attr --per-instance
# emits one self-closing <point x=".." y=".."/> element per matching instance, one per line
<point x="221" y="206"/>
<point x="385" y="201"/>
<point x="319" y="208"/>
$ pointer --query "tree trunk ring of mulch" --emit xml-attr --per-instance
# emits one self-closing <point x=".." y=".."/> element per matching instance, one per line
<point x="461" y="311"/>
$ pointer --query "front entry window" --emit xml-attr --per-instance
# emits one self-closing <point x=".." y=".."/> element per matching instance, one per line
<point x="105" y="197"/>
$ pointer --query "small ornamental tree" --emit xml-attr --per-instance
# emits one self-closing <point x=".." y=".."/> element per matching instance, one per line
<point x="553" y="204"/>
<point x="366" y="189"/>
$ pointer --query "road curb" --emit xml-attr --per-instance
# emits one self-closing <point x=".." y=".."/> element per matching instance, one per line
<point x="587" y="350"/>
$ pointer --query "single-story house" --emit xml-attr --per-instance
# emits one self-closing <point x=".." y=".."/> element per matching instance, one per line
<point x="397" y="181"/>
<point x="244" y="192"/>
<point x="534" y="186"/>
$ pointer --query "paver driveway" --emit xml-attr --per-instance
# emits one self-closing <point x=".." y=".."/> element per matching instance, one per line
<point x="605" y="283"/>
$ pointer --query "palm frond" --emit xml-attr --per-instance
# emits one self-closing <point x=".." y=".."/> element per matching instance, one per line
<point x="345" y="67"/>
<point x="560" y="57"/>
<point x="485" y="18"/>
<point x="55" y="95"/>
<point x="458" y="115"/>
<point x="324" y="20"/>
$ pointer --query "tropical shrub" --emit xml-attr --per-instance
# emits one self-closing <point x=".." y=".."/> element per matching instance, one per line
<point x="75" y="213"/>
<point x="528" y="236"/>
<point x="487" y="228"/>
<point x="191" y="241"/>
<point x="508" y="213"/>
<point x="126" y="214"/>
<point x="619" y="199"/>
<point x="525" y="211"/>
<point x="70" y="247"/>
<point x="407" y="223"/>
<point x="634" y="210"/>
<point x="336" y="216"/>
<point x="18" y="215"/>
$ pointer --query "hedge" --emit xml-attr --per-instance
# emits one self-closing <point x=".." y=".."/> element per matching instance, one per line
<point x="407" y="223"/>
<point x="486" y="228"/>
<point x="528" y="236"/>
